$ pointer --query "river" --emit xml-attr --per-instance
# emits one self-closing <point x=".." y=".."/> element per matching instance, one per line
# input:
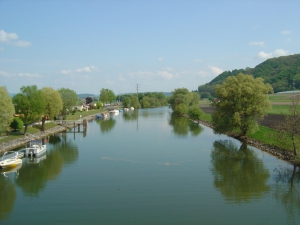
<point x="148" y="166"/>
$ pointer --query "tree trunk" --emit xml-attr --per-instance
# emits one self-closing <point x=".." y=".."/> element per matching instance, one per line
<point x="25" y="129"/>
<point x="43" y="123"/>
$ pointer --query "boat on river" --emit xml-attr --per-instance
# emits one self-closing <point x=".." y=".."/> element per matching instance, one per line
<point x="10" y="161"/>
<point x="35" y="149"/>
<point x="11" y="170"/>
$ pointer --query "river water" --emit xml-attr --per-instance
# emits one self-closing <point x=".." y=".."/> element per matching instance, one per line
<point x="149" y="167"/>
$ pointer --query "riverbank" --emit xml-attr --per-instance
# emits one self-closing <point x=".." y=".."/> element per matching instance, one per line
<point x="18" y="142"/>
<point x="280" y="153"/>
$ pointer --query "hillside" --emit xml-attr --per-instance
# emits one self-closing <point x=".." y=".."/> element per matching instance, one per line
<point x="279" y="72"/>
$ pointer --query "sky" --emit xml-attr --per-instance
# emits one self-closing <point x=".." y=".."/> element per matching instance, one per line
<point x="139" y="45"/>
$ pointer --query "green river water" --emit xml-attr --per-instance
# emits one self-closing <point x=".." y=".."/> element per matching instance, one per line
<point x="150" y="167"/>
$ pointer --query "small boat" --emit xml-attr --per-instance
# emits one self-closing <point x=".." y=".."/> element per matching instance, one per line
<point x="10" y="162"/>
<point x="11" y="170"/>
<point x="35" y="149"/>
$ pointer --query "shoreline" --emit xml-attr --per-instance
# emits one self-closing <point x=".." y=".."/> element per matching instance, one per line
<point x="18" y="142"/>
<point x="275" y="151"/>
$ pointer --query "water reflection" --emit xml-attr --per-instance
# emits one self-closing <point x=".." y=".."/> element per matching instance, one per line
<point x="41" y="170"/>
<point x="106" y="125"/>
<point x="182" y="126"/>
<point x="7" y="196"/>
<point x="238" y="173"/>
<point x="131" y="115"/>
<point x="287" y="190"/>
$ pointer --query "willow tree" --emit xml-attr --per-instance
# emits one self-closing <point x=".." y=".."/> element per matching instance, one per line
<point x="6" y="110"/>
<point x="240" y="102"/>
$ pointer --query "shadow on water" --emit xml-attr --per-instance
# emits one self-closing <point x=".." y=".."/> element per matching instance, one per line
<point x="287" y="190"/>
<point x="183" y="126"/>
<point x="238" y="173"/>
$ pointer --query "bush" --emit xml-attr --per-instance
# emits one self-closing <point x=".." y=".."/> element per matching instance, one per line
<point x="17" y="124"/>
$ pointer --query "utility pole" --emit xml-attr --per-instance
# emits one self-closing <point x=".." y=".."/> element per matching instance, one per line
<point x="293" y="91"/>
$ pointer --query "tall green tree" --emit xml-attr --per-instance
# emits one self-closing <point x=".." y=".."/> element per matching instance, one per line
<point x="180" y="96"/>
<point x="7" y="109"/>
<point x="241" y="101"/>
<point x="30" y="103"/>
<point x="107" y="96"/>
<point x="54" y="103"/>
<point x="69" y="99"/>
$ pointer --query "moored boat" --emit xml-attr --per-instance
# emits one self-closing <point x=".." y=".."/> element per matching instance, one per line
<point x="35" y="149"/>
<point x="10" y="162"/>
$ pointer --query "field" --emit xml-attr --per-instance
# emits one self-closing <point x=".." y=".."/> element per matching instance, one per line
<point x="280" y="107"/>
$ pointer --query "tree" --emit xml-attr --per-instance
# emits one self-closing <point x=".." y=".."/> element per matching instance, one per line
<point x="30" y="103"/>
<point x="17" y="124"/>
<point x="289" y="130"/>
<point x="54" y="103"/>
<point x="7" y="109"/>
<point x="180" y="96"/>
<point x="88" y="100"/>
<point x="69" y="99"/>
<point x="107" y="95"/>
<point x="181" y="108"/>
<point x="195" y="112"/>
<point x="241" y="101"/>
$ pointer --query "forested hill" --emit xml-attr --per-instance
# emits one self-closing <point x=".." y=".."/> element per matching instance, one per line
<point x="279" y="72"/>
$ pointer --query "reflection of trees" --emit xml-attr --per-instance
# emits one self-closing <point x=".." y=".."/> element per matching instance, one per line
<point x="238" y="173"/>
<point x="182" y="126"/>
<point x="287" y="190"/>
<point x="131" y="115"/>
<point x="37" y="174"/>
<point x="106" y="125"/>
<point x="7" y="196"/>
<point x="54" y="139"/>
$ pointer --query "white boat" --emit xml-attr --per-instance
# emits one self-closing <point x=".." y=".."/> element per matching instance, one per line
<point x="35" y="149"/>
<point x="10" y="161"/>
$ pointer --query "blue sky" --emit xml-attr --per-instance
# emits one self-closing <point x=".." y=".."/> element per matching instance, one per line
<point x="159" y="45"/>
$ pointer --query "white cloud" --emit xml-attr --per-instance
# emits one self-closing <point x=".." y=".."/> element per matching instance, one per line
<point x="29" y="75"/>
<point x="86" y="69"/>
<point x="255" y="43"/>
<point x="22" y="43"/>
<point x="110" y="82"/>
<point x="121" y="78"/>
<point x="202" y="73"/>
<point x="197" y="60"/>
<point x="160" y="59"/>
<point x="256" y="27"/>
<point x="66" y="72"/>
<point x="165" y="74"/>
<point x="276" y="53"/>
<point x="6" y="37"/>
<point x="11" y="37"/>
<point x="286" y="32"/>
<point x="216" y="70"/>
<point x="3" y="74"/>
